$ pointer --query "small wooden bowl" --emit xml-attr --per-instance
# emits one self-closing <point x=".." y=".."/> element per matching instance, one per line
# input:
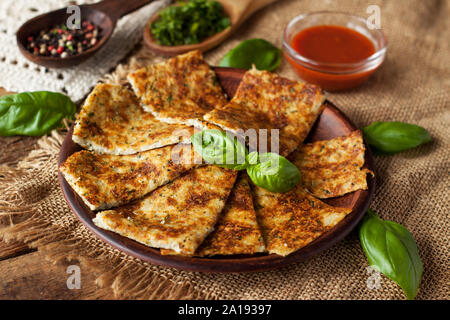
<point x="103" y="14"/>
<point x="237" y="12"/>
<point x="44" y="21"/>
<point x="331" y="123"/>
<point x="209" y="43"/>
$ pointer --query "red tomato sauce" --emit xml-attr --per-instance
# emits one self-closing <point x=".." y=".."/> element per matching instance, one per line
<point x="332" y="44"/>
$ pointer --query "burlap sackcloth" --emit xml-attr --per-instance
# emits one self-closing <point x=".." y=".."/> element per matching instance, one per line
<point x="412" y="187"/>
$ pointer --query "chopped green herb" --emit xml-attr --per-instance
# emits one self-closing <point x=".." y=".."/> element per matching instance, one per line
<point x="189" y="22"/>
<point x="166" y="219"/>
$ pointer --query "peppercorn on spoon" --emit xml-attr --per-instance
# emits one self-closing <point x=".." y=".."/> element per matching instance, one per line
<point x="103" y="14"/>
<point x="237" y="10"/>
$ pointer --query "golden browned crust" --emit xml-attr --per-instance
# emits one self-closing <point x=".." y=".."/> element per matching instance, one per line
<point x="177" y="216"/>
<point x="179" y="90"/>
<point x="290" y="221"/>
<point x="112" y="122"/>
<point x="237" y="231"/>
<point x="267" y="101"/>
<point x="333" y="167"/>
<point x="105" y="181"/>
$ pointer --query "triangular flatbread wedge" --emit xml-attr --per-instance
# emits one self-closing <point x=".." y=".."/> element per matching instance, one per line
<point x="237" y="231"/>
<point x="267" y="101"/>
<point x="112" y="122"/>
<point x="177" y="216"/>
<point x="291" y="220"/>
<point x="106" y="181"/>
<point x="179" y="90"/>
<point x="332" y="168"/>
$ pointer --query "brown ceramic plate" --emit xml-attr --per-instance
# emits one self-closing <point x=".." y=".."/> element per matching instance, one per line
<point x="331" y="123"/>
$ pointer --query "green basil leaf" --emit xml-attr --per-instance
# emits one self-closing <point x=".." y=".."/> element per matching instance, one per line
<point x="258" y="52"/>
<point x="220" y="148"/>
<point x="392" y="137"/>
<point x="391" y="249"/>
<point x="272" y="172"/>
<point x="253" y="158"/>
<point x="33" y="113"/>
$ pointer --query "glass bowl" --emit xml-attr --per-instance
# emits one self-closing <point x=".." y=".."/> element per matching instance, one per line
<point x="334" y="76"/>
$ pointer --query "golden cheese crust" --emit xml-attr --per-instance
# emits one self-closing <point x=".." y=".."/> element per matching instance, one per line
<point x="291" y="220"/>
<point x="177" y="216"/>
<point x="105" y="181"/>
<point x="112" y="122"/>
<point x="237" y="231"/>
<point x="333" y="167"/>
<point x="179" y="90"/>
<point x="267" y="101"/>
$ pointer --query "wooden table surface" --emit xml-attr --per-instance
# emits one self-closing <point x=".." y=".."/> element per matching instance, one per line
<point x="24" y="272"/>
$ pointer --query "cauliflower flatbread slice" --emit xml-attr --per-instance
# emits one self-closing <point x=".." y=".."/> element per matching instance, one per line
<point x="105" y="181"/>
<point x="179" y="90"/>
<point x="112" y="122"/>
<point x="291" y="220"/>
<point x="177" y="216"/>
<point x="332" y="168"/>
<point x="237" y="231"/>
<point x="267" y="101"/>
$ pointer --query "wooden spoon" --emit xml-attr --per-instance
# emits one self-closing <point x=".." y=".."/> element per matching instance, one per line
<point x="237" y="10"/>
<point x="103" y="14"/>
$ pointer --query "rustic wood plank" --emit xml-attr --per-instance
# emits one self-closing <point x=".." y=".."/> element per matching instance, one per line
<point x="31" y="276"/>
<point x="13" y="249"/>
<point x="15" y="148"/>
<point x="24" y="272"/>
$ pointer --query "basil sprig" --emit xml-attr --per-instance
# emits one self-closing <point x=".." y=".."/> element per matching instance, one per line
<point x="272" y="172"/>
<point x="391" y="249"/>
<point x="268" y="170"/>
<point x="392" y="137"/>
<point x="33" y="113"/>
<point x="220" y="148"/>
<point x="258" y="52"/>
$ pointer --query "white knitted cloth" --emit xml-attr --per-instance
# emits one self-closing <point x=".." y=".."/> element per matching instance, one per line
<point x="18" y="74"/>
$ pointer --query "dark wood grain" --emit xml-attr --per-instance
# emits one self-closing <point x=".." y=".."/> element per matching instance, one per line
<point x="331" y="123"/>
<point x="33" y="276"/>
<point x="103" y="14"/>
<point x="13" y="249"/>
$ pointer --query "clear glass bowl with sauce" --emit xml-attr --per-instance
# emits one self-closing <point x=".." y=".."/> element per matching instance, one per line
<point x="333" y="76"/>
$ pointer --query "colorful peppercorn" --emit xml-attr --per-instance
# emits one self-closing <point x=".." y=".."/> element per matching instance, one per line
<point x="62" y="42"/>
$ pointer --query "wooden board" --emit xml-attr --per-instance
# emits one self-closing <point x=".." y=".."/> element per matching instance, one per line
<point x="32" y="276"/>
<point x="331" y="123"/>
<point x="25" y="273"/>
